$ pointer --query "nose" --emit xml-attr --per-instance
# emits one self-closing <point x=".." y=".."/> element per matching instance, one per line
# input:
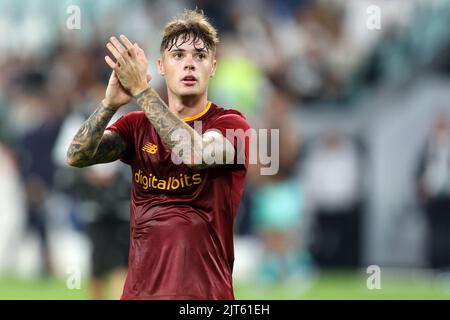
<point x="189" y="64"/>
<point x="189" y="67"/>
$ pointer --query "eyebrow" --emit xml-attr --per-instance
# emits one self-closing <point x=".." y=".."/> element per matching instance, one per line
<point x="183" y="50"/>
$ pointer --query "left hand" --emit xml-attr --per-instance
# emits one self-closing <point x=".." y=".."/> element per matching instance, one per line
<point x="130" y="66"/>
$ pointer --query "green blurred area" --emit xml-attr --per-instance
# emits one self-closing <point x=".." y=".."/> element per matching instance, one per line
<point x="331" y="285"/>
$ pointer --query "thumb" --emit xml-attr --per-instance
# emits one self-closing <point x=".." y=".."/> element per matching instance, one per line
<point x="113" y="79"/>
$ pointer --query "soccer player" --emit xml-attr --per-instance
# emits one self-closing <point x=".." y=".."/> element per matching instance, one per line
<point x="187" y="185"/>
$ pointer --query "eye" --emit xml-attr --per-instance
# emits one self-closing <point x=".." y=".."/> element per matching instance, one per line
<point x="177" y="55"/>
<point x="201" y="56"/>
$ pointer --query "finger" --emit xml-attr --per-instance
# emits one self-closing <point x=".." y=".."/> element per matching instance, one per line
<point x="110" y="63"/>
<point x="139" y="48"/>
<point x="136" y="50"/>
<point x="126" y="42"/>
<point x="113" y="51"/>
<point x="149" y="77"/>
<point x="133" y="52"/>
<point x="118" y="45"/>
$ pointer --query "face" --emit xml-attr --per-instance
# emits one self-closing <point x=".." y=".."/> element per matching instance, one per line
<point x="187" y="68"/>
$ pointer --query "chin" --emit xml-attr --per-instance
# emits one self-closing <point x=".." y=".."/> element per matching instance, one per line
<point x="188" y="92"/>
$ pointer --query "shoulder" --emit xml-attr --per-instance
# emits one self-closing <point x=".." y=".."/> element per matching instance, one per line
<point x="230" y="118"/>
<point x="228" y="112"/>
<point x="133" y="116"/>
<point x="127" y="124"/>
<point x="129" y="119"/>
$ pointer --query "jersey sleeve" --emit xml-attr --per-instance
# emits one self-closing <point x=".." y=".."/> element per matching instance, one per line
<point x="236" y="129"/>
<point x="124" y="127"/>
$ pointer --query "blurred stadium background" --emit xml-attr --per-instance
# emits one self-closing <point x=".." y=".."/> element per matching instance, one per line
<point x="364" y="166"/>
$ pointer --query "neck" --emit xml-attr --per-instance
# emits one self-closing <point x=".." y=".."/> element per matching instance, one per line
<point x="187" y="106"/>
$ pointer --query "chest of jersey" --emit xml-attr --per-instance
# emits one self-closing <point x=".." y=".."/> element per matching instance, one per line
<point x="157" y="169"/>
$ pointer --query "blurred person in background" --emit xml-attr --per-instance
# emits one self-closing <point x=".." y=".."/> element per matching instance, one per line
<point x="238" y="82"/>
<point x="277" y="201"/>
<point x="103" y="207"/>
<point x="333" y="185"/>
<point x="98" y="199"/>
<point x="34" y="146"/>
<point x="434" y="192"/>
<point x="12" y="211"/>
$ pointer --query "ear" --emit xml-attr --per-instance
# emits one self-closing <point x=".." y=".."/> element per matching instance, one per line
<point x="213" y="68"/>
<point x="161" y="69"/>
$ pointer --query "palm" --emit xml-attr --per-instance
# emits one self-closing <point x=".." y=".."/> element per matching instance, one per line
<point x="115" y="93"/>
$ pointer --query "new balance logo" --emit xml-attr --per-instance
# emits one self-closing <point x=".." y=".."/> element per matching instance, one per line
<point x="150" y="148"/>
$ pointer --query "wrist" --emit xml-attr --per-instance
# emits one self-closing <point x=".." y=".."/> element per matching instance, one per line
<point x="140" y="89"/>
<point x="138" y="97"/>
<point x="108" y="105"/>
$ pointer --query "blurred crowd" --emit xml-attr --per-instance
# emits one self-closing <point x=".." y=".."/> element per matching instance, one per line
<point x="276" y="59"/>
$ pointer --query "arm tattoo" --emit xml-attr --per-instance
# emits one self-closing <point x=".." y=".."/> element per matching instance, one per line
<point x="92" y="144"/>
<point x="166" y="123"/>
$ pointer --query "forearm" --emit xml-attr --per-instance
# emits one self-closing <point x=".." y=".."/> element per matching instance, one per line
<point x="174" y="132"/>
<point x="87" y="140"/>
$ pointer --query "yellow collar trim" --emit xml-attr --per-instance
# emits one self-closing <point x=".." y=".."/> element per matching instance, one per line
<point x="199" y="114"/>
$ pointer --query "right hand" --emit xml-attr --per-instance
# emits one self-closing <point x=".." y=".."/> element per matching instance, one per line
<point x="130" y="66"/>
<point x="116" y="95"/>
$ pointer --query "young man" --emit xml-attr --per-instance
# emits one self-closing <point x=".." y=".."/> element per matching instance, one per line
<point x="187" y="185"/>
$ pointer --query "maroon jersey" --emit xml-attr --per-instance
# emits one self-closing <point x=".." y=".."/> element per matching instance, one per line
<point x="181" y="220"/>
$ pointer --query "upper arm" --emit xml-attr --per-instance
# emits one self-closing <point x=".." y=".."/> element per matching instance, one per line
<point x="111" y="148"/>
<point x="92" y="144"/>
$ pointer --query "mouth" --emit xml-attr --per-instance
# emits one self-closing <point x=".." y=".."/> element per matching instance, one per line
<point x="189" y="80"/>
